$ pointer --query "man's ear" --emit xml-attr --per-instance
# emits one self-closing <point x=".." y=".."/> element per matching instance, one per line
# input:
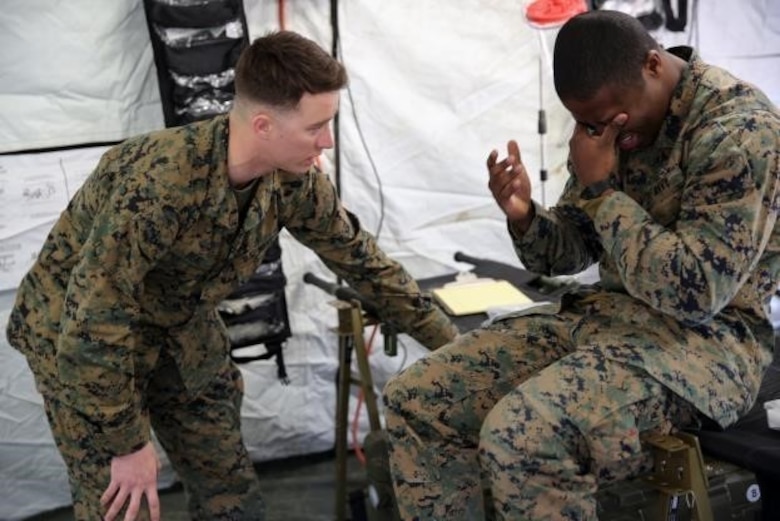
<point x="653" y="63"/>
<point x="262" y="124"/>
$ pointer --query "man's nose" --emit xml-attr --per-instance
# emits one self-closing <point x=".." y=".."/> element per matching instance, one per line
<point x="325" y="139"/>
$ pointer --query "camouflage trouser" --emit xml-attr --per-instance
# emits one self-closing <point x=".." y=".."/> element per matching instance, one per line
<point x="517" y="408"/>
<point x="200" y="434"/>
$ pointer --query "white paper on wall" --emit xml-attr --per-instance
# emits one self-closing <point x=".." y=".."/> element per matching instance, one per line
<point x="35" y="189"/>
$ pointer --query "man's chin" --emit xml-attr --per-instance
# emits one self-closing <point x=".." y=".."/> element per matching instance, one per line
<point x="300" y="168"/>
<point x="306" y="165"/>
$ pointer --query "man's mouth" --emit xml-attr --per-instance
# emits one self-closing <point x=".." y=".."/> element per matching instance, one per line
<point x="628" y="141"/>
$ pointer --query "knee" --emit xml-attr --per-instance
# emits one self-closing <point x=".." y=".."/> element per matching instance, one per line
<point x="519" y="424"/>
<point x="397" y="393"/>
<point x="412" y="396"/>
<point x="496" y="432"/>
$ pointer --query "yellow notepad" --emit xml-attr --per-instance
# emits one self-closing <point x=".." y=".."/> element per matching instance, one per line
<point x="478" y="296"/>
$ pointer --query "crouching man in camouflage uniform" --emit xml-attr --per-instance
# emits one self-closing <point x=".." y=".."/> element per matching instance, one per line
<point x="674" y="191"/>
<point x="117" y="317"/>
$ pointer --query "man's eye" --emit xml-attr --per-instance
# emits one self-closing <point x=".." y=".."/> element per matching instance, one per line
<point x="591" y="130"/>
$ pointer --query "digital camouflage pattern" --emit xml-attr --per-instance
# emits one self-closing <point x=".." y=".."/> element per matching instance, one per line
<point x="689" y="237"/>
<point x="202" y="437"/>
<point x="549" y="406"/>
<point x="132" y="272"/>
<point x="527" y="403"/>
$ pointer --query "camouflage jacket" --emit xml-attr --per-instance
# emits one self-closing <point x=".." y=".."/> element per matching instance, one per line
<point x="687" y="247"/>
<point x="148" y="247"/>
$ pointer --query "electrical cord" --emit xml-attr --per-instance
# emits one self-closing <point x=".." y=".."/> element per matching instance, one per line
<point x="364" y="143"/>
<point x="337" y="51"/>
<point x="374" y="170"/>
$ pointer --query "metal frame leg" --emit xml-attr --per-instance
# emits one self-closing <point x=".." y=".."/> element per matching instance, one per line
<point x="350" y="330"/>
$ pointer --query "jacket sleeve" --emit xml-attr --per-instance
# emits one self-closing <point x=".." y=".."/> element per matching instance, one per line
<point x="97" y="345"/>
<point x="561" y="240"/>
<point x="727" y="217"/>
<point x="321" y="223"/>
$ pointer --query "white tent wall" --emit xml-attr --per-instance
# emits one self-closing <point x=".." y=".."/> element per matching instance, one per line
<point x="434" y="87"/>
<point x="74" y="72"/>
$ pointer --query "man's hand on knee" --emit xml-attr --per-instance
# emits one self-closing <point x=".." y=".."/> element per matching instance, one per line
<point x="133" y="476"/>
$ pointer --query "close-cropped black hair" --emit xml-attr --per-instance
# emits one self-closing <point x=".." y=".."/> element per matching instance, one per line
<point x="599" y="48"/>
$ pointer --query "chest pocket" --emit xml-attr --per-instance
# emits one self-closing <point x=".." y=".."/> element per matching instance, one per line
<point x="665" y="196"/>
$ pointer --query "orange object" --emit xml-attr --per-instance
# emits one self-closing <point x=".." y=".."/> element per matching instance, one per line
<point x="547" y="13"/>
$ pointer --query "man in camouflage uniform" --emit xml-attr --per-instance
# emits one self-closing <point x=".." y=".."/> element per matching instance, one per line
<point x="117" y="317"/>
<point x="674" y="191"/>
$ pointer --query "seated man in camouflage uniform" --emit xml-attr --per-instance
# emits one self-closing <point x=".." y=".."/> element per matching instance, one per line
<point x="674" y="191"/>
<point x="117" y="317"/>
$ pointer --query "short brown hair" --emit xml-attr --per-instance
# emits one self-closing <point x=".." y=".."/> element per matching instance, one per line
<point x="279" y="68"/>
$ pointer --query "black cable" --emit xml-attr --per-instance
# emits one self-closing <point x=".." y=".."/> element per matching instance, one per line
<point x="380" y="187"/>
<point x="338" y="52"/>
<point x="334" y="28"/>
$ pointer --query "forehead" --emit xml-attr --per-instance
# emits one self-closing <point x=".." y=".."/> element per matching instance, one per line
<point x="597" y="109"/>
<point x="317" y="107"/>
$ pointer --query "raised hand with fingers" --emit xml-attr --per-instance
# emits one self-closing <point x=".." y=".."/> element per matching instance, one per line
<point x="510" y="185"/>
<point x="133" y="476"/>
